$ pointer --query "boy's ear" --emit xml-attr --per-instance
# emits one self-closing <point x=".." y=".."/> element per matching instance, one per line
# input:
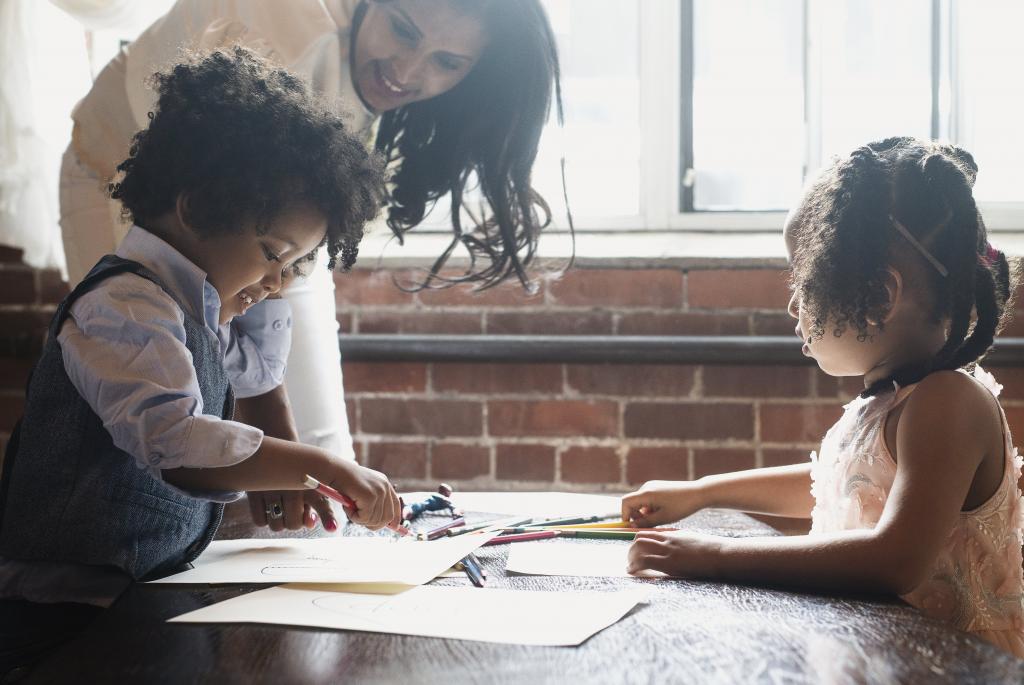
<point x="894" y="293"/>
<point x="181" y="210"/>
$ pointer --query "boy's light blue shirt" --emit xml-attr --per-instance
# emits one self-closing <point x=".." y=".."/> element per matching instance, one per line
<point x="124" y="350"/>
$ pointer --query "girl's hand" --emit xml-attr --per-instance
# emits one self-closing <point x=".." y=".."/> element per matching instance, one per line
<point x="682" y="555"/>
<point x="376" y="501"/>
<point x="299" y="508"/>
<point x="662" y="501"/>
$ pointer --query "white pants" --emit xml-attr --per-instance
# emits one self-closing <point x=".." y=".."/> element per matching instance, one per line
<point x="91" y="225"/>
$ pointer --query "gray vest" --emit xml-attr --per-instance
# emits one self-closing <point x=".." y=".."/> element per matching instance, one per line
<point x="69" y="495"/>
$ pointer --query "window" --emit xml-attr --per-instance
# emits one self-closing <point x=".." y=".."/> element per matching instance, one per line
<point x="712" y="114"/>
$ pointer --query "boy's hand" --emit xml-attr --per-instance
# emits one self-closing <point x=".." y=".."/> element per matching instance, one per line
<point x="299" y="508"/>
<point x="683" y="555"/>
<point x="376" y="501"/>
<point x="661" y="501"/>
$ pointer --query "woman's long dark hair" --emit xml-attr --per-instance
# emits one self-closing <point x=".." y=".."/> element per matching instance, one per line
<point x="489" y="125"/>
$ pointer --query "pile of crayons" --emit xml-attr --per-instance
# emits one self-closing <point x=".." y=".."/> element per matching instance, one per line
<point x="526" y="529"/>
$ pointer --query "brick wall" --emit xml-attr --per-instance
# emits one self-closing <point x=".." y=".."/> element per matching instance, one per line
<point x="529" y="426"/>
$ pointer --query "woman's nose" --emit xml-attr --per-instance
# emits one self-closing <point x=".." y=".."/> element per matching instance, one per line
<point x="272" y="281"/>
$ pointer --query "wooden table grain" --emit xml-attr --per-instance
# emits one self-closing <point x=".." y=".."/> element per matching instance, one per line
<point x="688" y="632"/>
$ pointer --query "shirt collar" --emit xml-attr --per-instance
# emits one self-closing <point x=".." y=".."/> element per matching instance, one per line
<point x="185" y="280"/>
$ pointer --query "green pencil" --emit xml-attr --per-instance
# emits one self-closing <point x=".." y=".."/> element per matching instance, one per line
<point x="600" y="534"/>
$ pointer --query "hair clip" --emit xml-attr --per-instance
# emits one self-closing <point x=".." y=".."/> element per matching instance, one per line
<point x="918" y="246"/>
<point x="991" y="255"/>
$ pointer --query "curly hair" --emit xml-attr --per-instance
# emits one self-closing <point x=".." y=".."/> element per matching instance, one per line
<point x="846" y="238"/>
<point x="243" y="141"/>
<point x="488" y="126"/>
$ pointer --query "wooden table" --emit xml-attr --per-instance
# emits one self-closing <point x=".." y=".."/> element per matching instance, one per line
<point x="689" y="632"/>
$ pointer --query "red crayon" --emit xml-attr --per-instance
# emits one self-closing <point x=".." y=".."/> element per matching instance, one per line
<point x="346" y="501"/>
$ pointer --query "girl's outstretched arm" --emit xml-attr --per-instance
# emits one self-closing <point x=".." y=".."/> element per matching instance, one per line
<point x="779" y="490"/>
<point x="939" y="447"/>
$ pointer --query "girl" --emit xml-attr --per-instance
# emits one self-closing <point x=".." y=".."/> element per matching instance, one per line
<point x="456" y="88"/>
<point x="914" y="491"/>
<point x="127" y="452"/>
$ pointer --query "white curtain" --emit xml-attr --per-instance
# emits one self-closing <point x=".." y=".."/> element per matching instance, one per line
<point x="103" y="14"/>
<point x="44" y="70"/>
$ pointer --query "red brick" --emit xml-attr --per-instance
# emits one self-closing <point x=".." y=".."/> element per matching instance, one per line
<point x="1012" y="380"/>
<point x="660" y="288"/>
<point x="710" y="461"/>
<point x="17" y="285"/>
<point x="828" y="386"/>
<point x="683" y="323"/>
<point x="421" y="323"/>
<point x="1014" y="327"/>
<point x="14" y="372"/>
<point x="451" y="461"/>
<point x="345" y="323"/>
<point x="435" y="418"/>
<point x="797" y="423"/>
<point x="1015" y="419"/>
<point x="756" y="381"/>
<point x="351" y="410"/>
<point x="525" y="462"/>
<point x="784" y="457"/>
<point x="773" y="323"/>
<point x="398" y="459"/>
<point x="689" y="420"/>
<point x="631" y="379"/>
<point x="52" y="288"/>
<point x="738" y="288"/>
<point x="12" y="407"/>
<point x="657" y="463"/>
<point x="497" y="379"/>
<point x="553" y="418"/>
<point x="567" y="322"/>
<point x="397" y="377"/>
<point x="359" y="448"/>
<point x="591" y="465"/>
<point x="509" y="294"/>
<point x="361" y="288"/>
<point x="11" y="255"/>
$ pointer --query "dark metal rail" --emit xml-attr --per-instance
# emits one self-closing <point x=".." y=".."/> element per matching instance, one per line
<point x="610" y="349"/>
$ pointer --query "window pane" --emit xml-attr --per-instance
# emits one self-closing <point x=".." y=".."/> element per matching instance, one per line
<point x="875" y="72"/>
<point x="991" y="60"/>
<point x="748" y="110"/>
<point x="598" y="45"/>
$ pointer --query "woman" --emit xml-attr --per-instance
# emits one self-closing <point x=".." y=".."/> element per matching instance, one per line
<point x="457" y="88"/>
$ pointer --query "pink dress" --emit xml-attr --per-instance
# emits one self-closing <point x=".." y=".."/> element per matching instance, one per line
<point x="976" y="582"/>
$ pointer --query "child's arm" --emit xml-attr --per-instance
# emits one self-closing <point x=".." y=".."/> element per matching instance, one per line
<point x="939" y="451"/>
<point x="780" y="490"/>
<point x="283" y="464"/>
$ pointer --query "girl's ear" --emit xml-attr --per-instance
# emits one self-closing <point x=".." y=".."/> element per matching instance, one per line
<point x="894" y="293"/>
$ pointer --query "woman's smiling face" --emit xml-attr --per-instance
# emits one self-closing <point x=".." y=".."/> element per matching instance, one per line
<point x="411" y="50"/>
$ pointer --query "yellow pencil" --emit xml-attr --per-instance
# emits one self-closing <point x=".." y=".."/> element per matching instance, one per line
<point x="600" y="524"/>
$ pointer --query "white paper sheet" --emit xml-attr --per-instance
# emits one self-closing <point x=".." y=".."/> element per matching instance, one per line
<point x="376" y="560"/>
<point x="538" y="504"/>
<point x="557" y="558"/>
<point x="481" y="614"/>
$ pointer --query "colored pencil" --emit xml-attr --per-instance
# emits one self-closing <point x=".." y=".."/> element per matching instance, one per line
<point x="524" y="537"/>
<point x="493" y="525"/>
<point x="569" y="529"/>
<point x="441" y="530"/>
<point x="345" y="501"/>
<point x="568" y="521"/>
<point x="599" y="534"/>
<point x="472" y="570"/>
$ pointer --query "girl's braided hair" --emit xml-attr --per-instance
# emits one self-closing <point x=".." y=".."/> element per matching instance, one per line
<point x="846" y="236"/>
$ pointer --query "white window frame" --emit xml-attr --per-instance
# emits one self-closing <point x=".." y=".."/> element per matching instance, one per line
<point x="661" y="119"/>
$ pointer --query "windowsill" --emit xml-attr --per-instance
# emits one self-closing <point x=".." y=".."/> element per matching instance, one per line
<point x="603" y="249"/>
